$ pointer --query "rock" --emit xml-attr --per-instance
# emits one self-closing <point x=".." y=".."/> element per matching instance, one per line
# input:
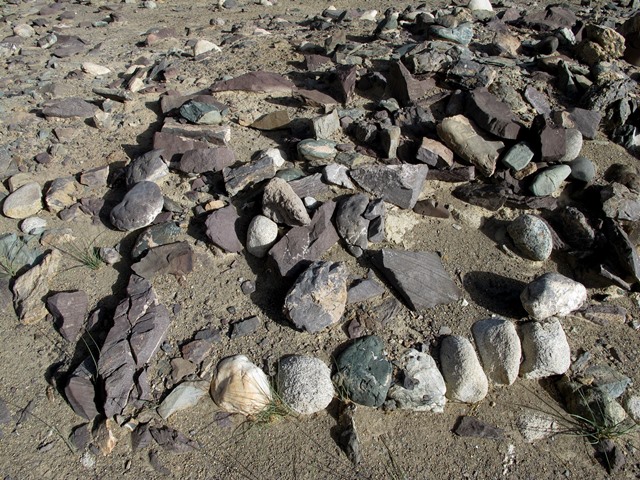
<point x="518" y="156"/>
<point x="239" y="386"/>
<point x="418" y="276"/>
<point x="32" y="286"/>
<point x="573" y="139"/>
<point x="346" y="82"/>
<point x="139" y="207"/>
<point x="95" y="177"/>
<point x="262" y="168"/>
<point x="149" y="167"/>
<point x="69" y="310"/>
<point x="553" y="140"/>
<point x="266" y="82"/>
<point x="620" y="203"/>
<point x="337" y="174"/>
<point x="397" y="184"/>
<point x="389" y="140"/>
<point x="537" y="425"/>
<point x="202" y="113"/>
<point x="544" y="348"/>
<point x="582" y="169"/>
<point x="406" y="89"/>
<point x="632" y="406"/>
<point x="552" y="294"/>
<point x="434" y="154"/>
<point x="62" y="193"/>
<point x="33" y="226"/>
<point x="80" y="391"/>
<point x="464" y="138"/>
<point x="318" y="297"/>
<point x="103" y="436"/>
<point x="281" y="204"/>
<point x="272" y="121"/>
<point x="600" y="44"/>
<point x="95" y="69"/>
<point x="222" y="229"/>
<point x="303" y="245"/>
<point x="422" y="388"/>
<point x="532" y="237"/>
<point x="499" y="347"/>
<point x="326" y="126"/>
<point x="315" y="98"/>
<point x="184" y="396"/>
<point x="363" y="373"/>
<point x="466" y="381"/>
<point x="304" y="384"/>
<point x="472" y="427"/>
<point x="537" y="100"/>
<point x="592" y="404"/>
<point x="351" y="224"/>
<point x="199" y="349"/>
<point x="317" y="152"/>
<point x="364" y="289"/>
<point x="245" y="327"/>
<point x="431" y="208"/>
<point x="309" y="186"/>
<point x="549" y="180"/>
<point x="607" y="379"/>
<point x="480" y="5"/>
<point x="172" y="441"/>
<point x="69" y="108"/>
<point x="586" y="121"/>
<point x="461" y="34"/>
<point x="205" y="46"/>
<point x="173" y="258"/>
<point x="155" y="236"/>
<point x="261" y="236"/>
<point x="492" y="115"/>
<point x="23" y="202"/>
<point x="622" y="249"/>
<point x="176" y="137"/>
<point x="24" y="30"/>
<point x="201" y="160"/>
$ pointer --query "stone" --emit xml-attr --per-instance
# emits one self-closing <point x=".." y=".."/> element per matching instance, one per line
<point x="553" y="141"/>
<point x="480" y="5"/>
<point x="499" y="348"/>
<point x="397" y="184"/>
<point x="345" y="84"/>
<point x="95" y="177"/>
<point x="154" y="236"/>
<point x="281" y="204"/>
<point x="518" y="156"/>
<point x="201" y="113"/>
<point x="492" y="115"/>
<point x="95" y="69"/>
<point x="389" y="140"/>
<point x="464" y="138"/>
<point x="607" y="379"/>
<point x="318" y="297"/>
<point x="461" y="34"/>
<point x="69" y="310"/>
<point x="422" y="388"/>
<point x="24" y="202"/>
<point x="351" y="224"/>
<point x="245" y="327"/>
<point x="205" y="46"/>
<point x="622" y="249"/>
<point x="32" y="286"/>
<point x="80" y="390"/>
<point x="17" y="254"/>
<point x="573" y="139"/>
<point x="272" y="121"/>
<point x="62" y="193"/>
<point x="222" y="229"/>
<point x="69" y="108"/>
<point x="552" y="294"/>
<point x="535" y="426"/>
<point x="463" y="375"/>
<point x="182" y="397"/>
<point x="549" y="180"/>
<point x="545" y="349"/>
<point x="303" y="245"/>
<point x="406" y="89"/>
<point x="265" y="82"/>
<point x="618" y="202"/>
<point x="591" y="403"/>
<point x="600" y="44"/>
<point x="317" y="152"/>
<point x="337" y="174"/>
<point x="537" y="100"/>
<point x="262" y="234"/>
<point x="582" y="169"/>
<point x="202" y="160"/>
<point x="33" y="225"/>
<point x="532" y="237"/>
<point x="363" y="373"/>
<point x="326" y="126"/>
<point x="197" y="350"/>
<point x="419" y="277"/>
<point x="586" y="121"/>
<point x="176" y="137"/>
<point x="262" y="168"/>
<point x="171" y="440"/>
<point x="24" y="30"/>
<point x="469" y="426"/>
<point x="434" y="154"/>
<point x="172" y="258"/>
<point x="304" y="384"/>
<point x="239" y="386"/>
<point x="315" y="98"/>
<point x="139" y="207"/>
<point x="363" y="290"/>
<point x="149" y="167"/>
<point x="140" y="325"/>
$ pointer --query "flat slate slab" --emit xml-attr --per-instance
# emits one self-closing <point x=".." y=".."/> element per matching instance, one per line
<point x="418" y="276"/>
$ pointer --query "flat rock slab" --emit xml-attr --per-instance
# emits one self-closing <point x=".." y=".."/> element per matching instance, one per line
<point x="318" y="297"/>
<point x="80" y="390"/>
<point x="222" y="229"/>
<point x="185" y="395"/>
<point x="266" y="82"/>
<point x="363" y="372"/>
<point x="397" y="184"/>
<point x="69" y="310"/>
<point x="418" y="276"/>
<point x="173" y="258"/>
<point x="69" y="108"/>
<point x="139" y="207"/>
<point x="472" y="427"/>
<point x="201" y="160"/>
<point x="154" y="236"/>
<point x="24" y="202"/>
<point x="32" y="286"/>
<point x="492" y="115"/>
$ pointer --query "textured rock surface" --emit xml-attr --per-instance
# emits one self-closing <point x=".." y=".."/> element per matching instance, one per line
<point x="499" y="348"/>
<point x="23" y="202"/>
<point x="139" y="207"/>
<point x="281" y="204"/>
<point x="32" y="286"/>
<point x="531" y="236"/>
<point x="304" y="384"/>
<point x="69" y="310"/>
<point x="397" y="184"/>
<point x="466" y="381"/>
<point x="545" y="349"/>
<point x="222" y="229"/>
<point x="552" y="294"/>
<point x="185" y="395"/>
<point x="423" y="388"/>
<point x="261" y="235"/>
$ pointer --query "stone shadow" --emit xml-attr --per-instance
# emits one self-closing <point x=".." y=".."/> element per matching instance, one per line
<point x="496" y="293"/>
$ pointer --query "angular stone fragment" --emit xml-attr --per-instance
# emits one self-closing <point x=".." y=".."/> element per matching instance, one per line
<point x="184" y="396"/>
<point x="315" y="98"/>
<point x="173" y="258"/>
<point x="222" y="229"/>
<point x="69" y="108"/>
<point x="492" y="115"/>
<point x="363" y="290"/>
<point x="537" y="100"/>
<point x="622" y="249"/>
<point x="422" y="388"/>
<point x="303" y="245"/>
<point x="24" y="202"/>
<point x="154" y="236"/>
<point x="148" y="167"/>
<point x="346" y="83"/>
<point x="173" y="144"/>
<point x="281" y="204"/>
<point x="139" y="207"/>
<point x="62" y="193"/>
<point x="337" y="174"/>
<point x="544" y="348"/>
<point x="466" y="381"/>
<point x="272" y="121"/>
<point x="552" y="294"/>
<point x="95" y="177"/>
<point x="351" y="224"/>
<point x="499" y="347"/>
<point x="190" y="136"/>
<point x="434" y="154"/>
<point x="397" y="184"/>
<point x="318" y="297"/>
<point x="518" y="156"/>
<point x="32" y="286"/>
<point x="618" y="202"/>
<point x="317" y="152"/>
<point x="363" y="372"/>
<point x="464" y="138"/>
<point x="405" y="88"/>
<point x="201" y="113"/>
<point x="266" y="82"/>
<point x="553" y="141"/>
<point x="262" y="168"/>
<point x="304" y="383"/>
<point x="587" y="121"/>
<point x="201" y="160"/>
<point x="461" y="34"/>
<point x="80" y="390"/>
<point x="418" y="276"/>
<point x="326" y="125"/>
<point x="69" y="310"/>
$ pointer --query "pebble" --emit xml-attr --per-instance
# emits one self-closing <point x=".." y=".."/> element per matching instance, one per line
<point x="24" y="31"/>
<point x="33" y="225"/>
<point x="317" y="152"/>
<point x="262" y="234"/>
<point x="574" y="145"/>
<point x="149" y="167"/>
<point x="95" y="69"/>
<point x="304" y="384"/>
<point x="466" y="381"/>
<point x="184" y="396"/>
<point x="24" y="202"/>
<point x="281" y="204"/>
<point x="480" y="5"/>
<point x="552" y="294"/>
<point x="549" y="180"/>
<point x="532" y="237"/>
<point x="205" y="46"/>
<point x="139" y="207"/>
<point x="499" y="347"/>
<point x="363" y="373"/>
<point x="582" y="169"/>
<point x="545" y="349"/>
<point x="397" y="184"/>
<point x="337" y="174"/>
<point x="518" y="156"/>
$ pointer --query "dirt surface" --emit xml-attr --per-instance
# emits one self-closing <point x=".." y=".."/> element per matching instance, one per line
<point x="395" y="444"/>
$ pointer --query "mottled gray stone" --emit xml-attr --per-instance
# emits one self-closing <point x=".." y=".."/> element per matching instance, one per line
<point x="326" y="126"/>
<point x="552" y="294"/>
<point x="154" y="236"/>
<point x="582" y="169"/>
<point x="304" y="384"/>
<point x="499" y="347"/>
<point x="32" y="286"/>
<point x="531" y="236"/>
<point x="423" y="388"/>
<point x="318" y="152"/>
<point x="466" y="381"/>
<point x="148" y="167"/>
<point x="262" y="168"/>
<point x="397" y="184"/>
<point x="139" y="207"/>
<point x="518" y="156"/>
<point x="184" y="396"/>
<point x="281" y="204"/>
<point x="351" y="224"/>
<point x="545" y="349"/>
<point x="24" y="202"/>
<point x="573" y="139"/>
<point x="261" y="235"/>
<point x="337" y="174"/>
<point x="549" y="180"/>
